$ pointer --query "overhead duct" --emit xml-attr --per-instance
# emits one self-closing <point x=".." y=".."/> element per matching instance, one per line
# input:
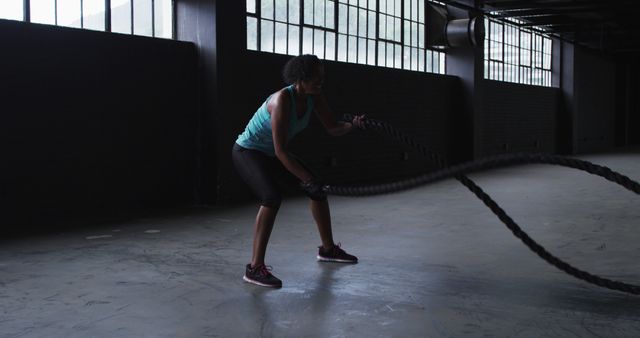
<point x="442" y="32"/>
<point x="465" y="32"/>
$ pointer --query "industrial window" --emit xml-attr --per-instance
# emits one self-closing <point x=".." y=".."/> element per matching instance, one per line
<point x="389" y="33"/>
<point x="140" y="17"/>
<point x="516" y="54"/>
<point x="11" y="9"/>
<point x="357" y="32"/>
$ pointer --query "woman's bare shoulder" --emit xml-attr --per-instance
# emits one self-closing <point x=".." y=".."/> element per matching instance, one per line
<point x="280" y="98"/>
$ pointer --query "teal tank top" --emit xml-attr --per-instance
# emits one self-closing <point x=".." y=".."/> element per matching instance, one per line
<point x="258" y="134"/>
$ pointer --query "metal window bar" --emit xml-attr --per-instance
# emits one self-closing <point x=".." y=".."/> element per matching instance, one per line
<point x="26" y="15"/>
<point x="132" y="16"/>
<point x="324" y="35"/>
<point x="377" y="25"/>
<point x="402" y="33"/>
<point x="153" y="18"/>
<point x="301" y="30"/>
<point x="174" y="18"/>
<point x="107" y="15"/>
<point x="273" y="29"/>
<point x="259" y="25"/>
<point x="358" y="48"/>
<point x="336" y="22"/>
<point x="81" y="14"/>
<point x="347" y="30"/>
<point x="312" y="30"/>
<point x="286" y="46"/>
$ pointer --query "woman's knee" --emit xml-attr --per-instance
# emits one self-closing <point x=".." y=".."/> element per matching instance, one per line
<point x="271" y="201"/>
<point x="322" y="198"/>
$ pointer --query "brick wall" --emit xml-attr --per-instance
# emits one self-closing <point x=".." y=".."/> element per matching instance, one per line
<point x="516" y="118"/>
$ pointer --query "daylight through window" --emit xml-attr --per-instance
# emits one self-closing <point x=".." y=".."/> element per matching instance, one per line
<point x="389" y="33"/>
<point x="140" y="17"/>
<point x="516" y="54"/>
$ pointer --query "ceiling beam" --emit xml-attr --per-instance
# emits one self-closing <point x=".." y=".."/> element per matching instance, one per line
<point x="548" y="21"/>
<point x="528" y="4"/>
<point x="524" y="13"/>
<point x="608" y="26"/>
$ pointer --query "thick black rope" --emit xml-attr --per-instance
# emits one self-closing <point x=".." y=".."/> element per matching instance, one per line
<point x="493" y="162"/>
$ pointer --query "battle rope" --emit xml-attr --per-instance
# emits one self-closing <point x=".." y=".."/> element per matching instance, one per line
<point x="493" y="162"/>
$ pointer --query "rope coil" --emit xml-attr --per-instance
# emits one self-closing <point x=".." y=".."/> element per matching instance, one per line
<point x="458" y="172"/>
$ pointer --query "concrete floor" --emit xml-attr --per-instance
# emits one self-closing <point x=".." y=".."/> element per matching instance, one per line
<point x="434" y="262"/>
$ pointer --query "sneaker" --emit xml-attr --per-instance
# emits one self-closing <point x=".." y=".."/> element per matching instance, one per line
<point x="335" y="255"/>
<point x="261" y="275"/>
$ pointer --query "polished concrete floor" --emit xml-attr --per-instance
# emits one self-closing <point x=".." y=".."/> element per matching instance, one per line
<point x="434" y="262"/>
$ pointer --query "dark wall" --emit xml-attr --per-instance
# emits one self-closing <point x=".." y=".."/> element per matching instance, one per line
<point x="94" y="125"/>
<point x="419" y="104"/>
<point x="590" y="102"/>
<point x="517" y="118"/>
<point x="628" y="100"/>
<point x="563" y="61"/>
<point x="196" y="22"/>
<point x="633" y="90"/>
<point x="593" y="101"/>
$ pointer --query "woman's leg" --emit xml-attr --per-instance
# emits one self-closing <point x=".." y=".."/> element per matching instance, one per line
<point x="258" y="171"/>
<point x="262" y="231"/>
<point x="328" y="252"/>
<point x="322" y="216"/>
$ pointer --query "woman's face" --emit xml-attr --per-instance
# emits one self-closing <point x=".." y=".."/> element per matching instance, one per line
<point x="313" y="85"/>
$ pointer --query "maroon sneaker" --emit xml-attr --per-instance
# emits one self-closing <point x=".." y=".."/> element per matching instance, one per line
<point x="335" y="255"/>
<point x="261" y="275"/>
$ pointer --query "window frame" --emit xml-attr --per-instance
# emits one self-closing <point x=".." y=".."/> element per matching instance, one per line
<point x="26" y="17"/>
<point x="431" y="60"/>
<point x="531" y="59"/>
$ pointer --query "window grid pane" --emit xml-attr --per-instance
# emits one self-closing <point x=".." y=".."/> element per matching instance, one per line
<point x="121" y="16"/>
<point x="93" y="15"/>
<point x="142" y="18"/>
<point x="414" y="27"/>
<point x="251" y="6"/>
<point x="69" y="13"/>
<point x="516" y="54"/>
<point x="252" y="33"/>
<point x="163" y="19"/>
<point x="345" y="30"/>
<point x="153" y="18"/>
<point x="43" y="11"/>
<point x="12" y="10"/>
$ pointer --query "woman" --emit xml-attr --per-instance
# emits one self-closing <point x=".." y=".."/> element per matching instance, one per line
<point x="261" y="156"/>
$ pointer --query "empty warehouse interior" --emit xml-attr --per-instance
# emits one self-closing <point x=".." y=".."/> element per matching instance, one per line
<point x="124" y="215"/>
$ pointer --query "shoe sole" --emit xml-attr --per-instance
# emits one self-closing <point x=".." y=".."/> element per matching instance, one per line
<point x="324" y="259"/>
<point x="249" y="280"/>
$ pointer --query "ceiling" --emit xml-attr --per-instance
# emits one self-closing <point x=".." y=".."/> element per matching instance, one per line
<point x="611" y="26"/>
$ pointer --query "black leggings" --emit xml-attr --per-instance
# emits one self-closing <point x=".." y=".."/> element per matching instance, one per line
<point x="264" y="174"/>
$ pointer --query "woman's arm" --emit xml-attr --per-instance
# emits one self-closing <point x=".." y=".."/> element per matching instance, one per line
<point x="333" y="127"/>
<point x="280" y="110"/>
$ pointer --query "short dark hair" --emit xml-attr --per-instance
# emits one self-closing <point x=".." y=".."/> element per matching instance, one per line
<point x="300" y="68"/>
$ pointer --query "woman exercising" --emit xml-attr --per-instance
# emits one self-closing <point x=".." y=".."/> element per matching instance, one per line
<point x="262" y="159"/>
